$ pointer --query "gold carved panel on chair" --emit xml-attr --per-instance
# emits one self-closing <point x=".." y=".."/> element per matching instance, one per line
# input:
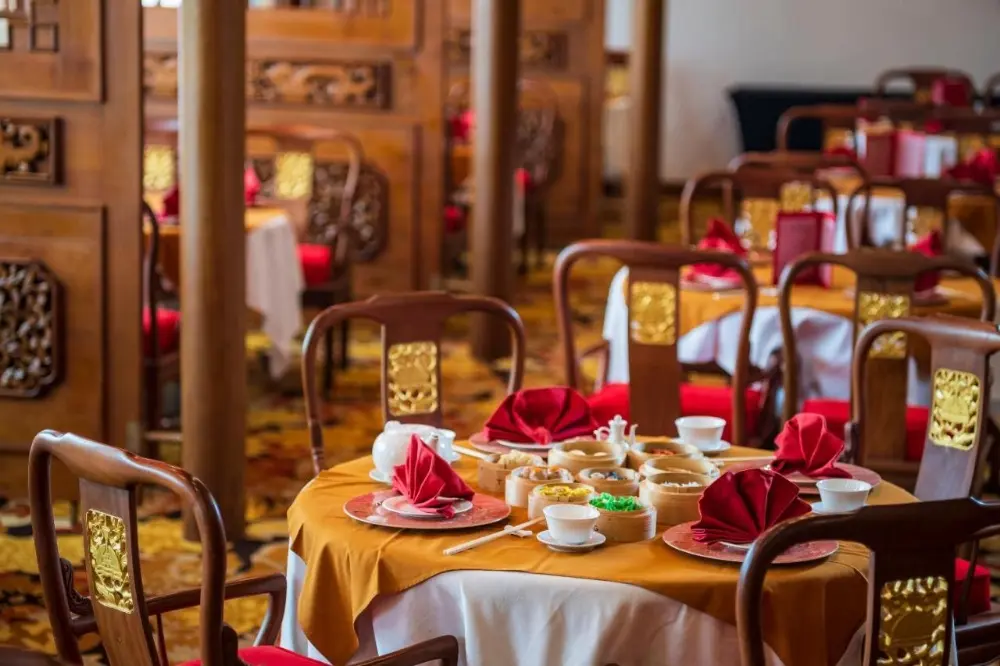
<point x="412" y="374"/>
<point x="875" y="306"/>
<point x="109" y="567"/>
<point x="159" y="168"/>
<point x="912" y="626"/>
<point x="31" y="329"/>
<point x="293" y="173"/>
<point x="159" y="75"/>
<point x="354" y="85"/>
<point x="29" y="151"/>
<point x="538" y="48"/>
<point x="653" y="313"/>
<point x="368" y="225"/>
<point x="955" y="409"/>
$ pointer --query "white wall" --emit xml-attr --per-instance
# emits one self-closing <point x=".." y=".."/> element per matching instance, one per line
<point x="713" y="44"/>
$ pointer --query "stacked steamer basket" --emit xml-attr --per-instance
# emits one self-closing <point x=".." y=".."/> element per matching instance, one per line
<point x="493" y="471"/>
<point x="641" y="452"/>
<point x="627" y="521"/>
<point x="659" y="464"/>
<point x="613" y="480"/>
<point x="580" y="455"/>
<point x="557" y="493"/>
<point x="522" y="480"/>
<point x="674" y="495"/>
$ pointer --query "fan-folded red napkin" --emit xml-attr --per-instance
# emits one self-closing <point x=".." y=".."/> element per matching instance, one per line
<point x="929" y="246"/>
<point x="981" y="167"/>
<point x="425" y="478"/>
<point x="719" y="236"/>
<point x="807" y="446"/>
<point x="251" y="186"/>
<point x="542" y="416"/>
<point x="739" y="506"/>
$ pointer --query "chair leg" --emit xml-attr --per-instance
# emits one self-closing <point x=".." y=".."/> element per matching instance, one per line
<point x="328" y="365"/>
<point x="345" y="336"/>
<point x="522" y="262"/>
<point x="540" y="240"/>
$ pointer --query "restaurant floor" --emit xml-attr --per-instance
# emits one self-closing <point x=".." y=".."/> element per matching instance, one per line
<point x="279" y="464"/>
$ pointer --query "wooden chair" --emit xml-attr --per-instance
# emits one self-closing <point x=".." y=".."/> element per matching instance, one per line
<point x="118" y="608"/>
<point x="15" y="657"/>
<point x="840" y="118"/>
<point x="808" y="163"/>
<point x="884" y="290"/>
<point x="922" y="80"/>
<point x="990" y="89"/>
<point x="911" y="580"/>
<point x="412" y="326"/>
<point x="763" y="192"/>
<point x="926" y="194"/>
<point x="161" y="340"/>
<point x="653" y="297"/>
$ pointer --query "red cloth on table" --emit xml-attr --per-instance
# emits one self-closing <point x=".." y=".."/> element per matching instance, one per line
<point x="425" y="477"/>
<point x="168" y="329"/>
<point x="807" y="446"/>
<point x="315" y="261"/>
<point x="720" y="237"/>
<point x="171" y="203"/>
<point x="251" y="186"/>
<point x="950" y="91"/>
<point x="979" y="593"/>
<point x="267" y="655"/>
<point x="929" y="246"/>
<point x="696" y="400"/>
<point x="542" y="415"/>
<point x="981" y="167"/>
<point x="838" y="412"/>
<point x="739" y="506"/>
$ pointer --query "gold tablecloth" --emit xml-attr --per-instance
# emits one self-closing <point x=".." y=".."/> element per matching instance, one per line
<point x="811" y="612"/>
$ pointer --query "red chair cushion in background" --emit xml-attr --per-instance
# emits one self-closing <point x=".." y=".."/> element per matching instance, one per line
<point x="267" y="656"/>
<point x="315" y="262"/>
<point x="838" y="413"/>
<point x="979" y="593"/>
<point x="168" y="327"/>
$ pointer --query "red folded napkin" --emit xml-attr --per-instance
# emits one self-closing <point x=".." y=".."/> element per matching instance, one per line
<point x="805" y="445"/>
<point x="171" y="203"/>
<point x="251" y="186"/>
<point x="739" y="506"/>
<point x="929" y="246"/>
<point x="542" y="416"/>
<point x="950" y="91"/>
<point x="981" y="167"/>
<point x="425" y="478"/>
<point x="720" y="237"/>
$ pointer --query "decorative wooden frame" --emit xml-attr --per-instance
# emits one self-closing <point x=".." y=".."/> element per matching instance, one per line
<point x="31" y="325"/>
<point x="30" y="151"/>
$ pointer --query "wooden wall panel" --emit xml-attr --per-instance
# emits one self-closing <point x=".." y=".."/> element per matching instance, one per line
<point x="562" y="45"/>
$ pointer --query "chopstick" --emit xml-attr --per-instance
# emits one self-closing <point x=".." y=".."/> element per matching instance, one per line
<point x="454" y="550"/>
<point x="472" y="453"/>
<point x="743" y="459"/>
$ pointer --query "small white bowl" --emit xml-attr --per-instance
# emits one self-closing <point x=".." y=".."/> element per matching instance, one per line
<point x="703" y="432"/>
<point x="840" y="495"/>
<point x="571" y="523"/>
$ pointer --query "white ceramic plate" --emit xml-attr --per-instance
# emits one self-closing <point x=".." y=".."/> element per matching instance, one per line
<point x="721" y="447"/>
<point x="402" y="507"/>
<point x="819" y="508"/>
<point x="377" y="477"/>
<point x="596" y="539"/>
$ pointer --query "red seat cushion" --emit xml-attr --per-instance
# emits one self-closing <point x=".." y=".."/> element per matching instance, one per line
<point x="267" y="656"/>
<point x="315" y="262"/>
<point x="696" y="400"/>
<point x="979" y="593"/>
<point x="168" y="327"/>
<point x="838" y="412"/>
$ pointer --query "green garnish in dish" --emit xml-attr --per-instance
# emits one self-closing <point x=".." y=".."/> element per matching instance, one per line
<point x="609" y="502"/>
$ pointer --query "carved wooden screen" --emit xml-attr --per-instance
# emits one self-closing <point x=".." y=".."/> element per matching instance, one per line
<point x="562" y="44"/>
<point x="70" y="141"/>
<point x="373" y="69"/>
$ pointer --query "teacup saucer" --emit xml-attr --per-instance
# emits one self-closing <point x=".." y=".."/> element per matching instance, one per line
<point x="377" y="476"/>
<point x="820" y="509"/>
<point x="596" y="539"/>
<point x="721" y="447"/>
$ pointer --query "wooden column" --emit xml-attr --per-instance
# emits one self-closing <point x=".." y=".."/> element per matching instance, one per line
<point x="645" y="78"/>
<point x="495" y="26"/>
<point x="213" y="305"/>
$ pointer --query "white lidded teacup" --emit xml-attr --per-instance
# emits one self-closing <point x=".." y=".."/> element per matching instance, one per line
<point x="841" y="495"/>
<point x="702" y="432"/>
<point x="571" y="523"/>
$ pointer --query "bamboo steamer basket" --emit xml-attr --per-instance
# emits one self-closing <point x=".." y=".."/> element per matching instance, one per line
<point x="627" y="486"/>
<point x="518" y="487"/>
<point x="675" y="464"/>
<point x="673" y="505"/>
<point x="491" y="476"/>
<point x="537" y="502"/>
<point x="597" y="453"/>
<point x="638" y="453"/>
<point x="627" y="526"/>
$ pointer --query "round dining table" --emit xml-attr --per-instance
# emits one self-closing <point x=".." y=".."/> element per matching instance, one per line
<point x="356" y="590"/>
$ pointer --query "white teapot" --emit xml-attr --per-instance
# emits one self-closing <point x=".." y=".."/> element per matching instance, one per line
<point x="390" y="447"/>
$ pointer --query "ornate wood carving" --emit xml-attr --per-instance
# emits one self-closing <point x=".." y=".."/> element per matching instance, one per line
<point x="653" y="311"/>
<point x="412" y="375"/>
<point x="109" y="567"/>
<point x="365" y="85"/>
<point x="873" y="306"/>
<point x="30" y="25"/>
<point x="159" y="168"/>
<point x="912" y="627"/>
<point x="955" y="409"/>
<point x="29" y="151"/>
<point x="369" y="223"/>
<point x="542" y="49"/>
<point x="31" y="329"/>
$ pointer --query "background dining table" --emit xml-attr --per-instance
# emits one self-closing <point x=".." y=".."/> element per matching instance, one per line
<point x="355" y="590"/>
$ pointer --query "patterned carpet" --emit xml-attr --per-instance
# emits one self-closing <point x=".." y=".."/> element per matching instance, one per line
<point x="279" y="464"/>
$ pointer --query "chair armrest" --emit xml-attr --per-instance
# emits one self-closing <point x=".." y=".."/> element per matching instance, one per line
<point x="444" y="648"/>
<point x="602" y="350"/>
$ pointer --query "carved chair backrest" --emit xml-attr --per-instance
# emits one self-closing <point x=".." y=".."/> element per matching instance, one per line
<point x="929" y="196"/>
<point x="117" y="605"/>
<point x="762" y="192"/>
<point x="960" y="389"/>
<point x="151" y="275"/>
<point x="973" y="129"/>
<point x="884" y="289"/>
<point x="653" y="298"/>
<point x="990" y="89"/>
<point x="800" y="161"/>
<point x="412" y="327"/>
<point x="911" y="575"/>
<point x="921" y="79"/>
<point x="841" y="118"/>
